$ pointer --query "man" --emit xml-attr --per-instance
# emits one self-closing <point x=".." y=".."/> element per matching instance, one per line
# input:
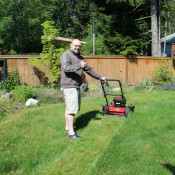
<point x="72" y="67"/>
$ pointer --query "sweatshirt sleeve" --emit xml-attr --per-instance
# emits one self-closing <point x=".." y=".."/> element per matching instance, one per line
<point x="90" y="71"/>
<point x="67" y="64"/>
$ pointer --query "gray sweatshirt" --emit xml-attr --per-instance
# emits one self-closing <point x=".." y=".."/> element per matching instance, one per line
<point x="72" y="72"/>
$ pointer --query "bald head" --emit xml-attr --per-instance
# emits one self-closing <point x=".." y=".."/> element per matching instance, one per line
<point x="75" y="46"/>
<point x="75" y="41"/>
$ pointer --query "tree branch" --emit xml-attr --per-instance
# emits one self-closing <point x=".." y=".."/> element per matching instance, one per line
<point x="143" y="18"/>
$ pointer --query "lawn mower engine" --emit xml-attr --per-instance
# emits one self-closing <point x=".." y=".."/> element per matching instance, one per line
<point x="118" y="107"/>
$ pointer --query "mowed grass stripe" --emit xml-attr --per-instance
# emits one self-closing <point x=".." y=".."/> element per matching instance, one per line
<point x="93" y="165"/>
<point x="28" y="140"/>
<point x="78" y="157"/>
<point x="145" y="143"/>
<point x="34" y="142"/>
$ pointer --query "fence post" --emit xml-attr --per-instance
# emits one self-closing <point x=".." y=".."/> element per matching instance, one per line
<point x="126" y="71"/>
<point x="5" y="71"/>
<point x="173" y="54"/>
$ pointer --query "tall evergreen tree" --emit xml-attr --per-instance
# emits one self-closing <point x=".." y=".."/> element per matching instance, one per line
<point x="124" y="26"/>
<point x="125" y="32"/>
<point x="20" y="24"/>
<point x="71" y="17"/>
<point x="20" y="21"/>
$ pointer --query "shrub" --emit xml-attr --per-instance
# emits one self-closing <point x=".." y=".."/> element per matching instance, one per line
<point x="12" y="80"/>
<point x="48" y="95"/>
<point x="164" y="75"/>
<point x="6" y="106"/>
<point x="22" y="93"/>
<point x="147" y="82"/>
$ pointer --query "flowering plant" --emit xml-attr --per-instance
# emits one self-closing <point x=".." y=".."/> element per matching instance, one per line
<point x="166" y="87"/>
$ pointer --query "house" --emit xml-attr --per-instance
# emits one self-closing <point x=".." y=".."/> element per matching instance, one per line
<point x="169" y="40"/>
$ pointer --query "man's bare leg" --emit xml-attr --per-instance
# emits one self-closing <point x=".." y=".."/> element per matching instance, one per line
<point x="69" y="123"/>
<point x="66" y="122"/>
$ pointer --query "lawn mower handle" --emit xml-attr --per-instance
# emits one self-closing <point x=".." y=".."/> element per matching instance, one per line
<point x="102" y="84"/>
<point x="111" y="80"/>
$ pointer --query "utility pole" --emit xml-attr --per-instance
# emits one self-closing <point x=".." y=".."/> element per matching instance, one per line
<point x="93" y="33"/>
<point x="164" y="50"/>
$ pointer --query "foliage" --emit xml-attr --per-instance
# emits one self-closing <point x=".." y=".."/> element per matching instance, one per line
<point x="20" y="21"/>
<point x="20" y="24"/>
<point x="122" y="29"/>
<point x="100" y="47"/>
<point x="166" y="87"/>
<point x="131" y="50"/>
<point x="21" y="30"/>
<point x="142" y="88"/>
<point x="48" y="95"/>
<point x="50" y="56"/>
<point x="147" y="81"/>
<point x="6" y="106"/>
<point x="93" y="87"/>
<point x="164" y="74"/>
<point x="167" y="15"/>
<point x="13" y="52"/>
<point x="22" y="93"/>
<point x="71" y="17"/>
<point x="12" y="80"/>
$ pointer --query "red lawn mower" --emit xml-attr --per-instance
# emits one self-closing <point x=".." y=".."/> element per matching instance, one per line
<point x="118" y="105"/>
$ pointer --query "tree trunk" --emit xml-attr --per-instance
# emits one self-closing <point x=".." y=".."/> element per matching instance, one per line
<point x="155" y="28"/>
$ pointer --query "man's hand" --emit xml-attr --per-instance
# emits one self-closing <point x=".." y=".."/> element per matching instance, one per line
<point x="83" y="63"/>
<point x="103" y="78"/>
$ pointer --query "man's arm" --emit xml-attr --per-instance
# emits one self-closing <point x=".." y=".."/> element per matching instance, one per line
<point x="67" y="64"/>
<point x="90" y="71"/>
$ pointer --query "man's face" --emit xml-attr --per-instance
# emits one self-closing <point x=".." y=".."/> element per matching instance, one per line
<point x="75" y="46"/>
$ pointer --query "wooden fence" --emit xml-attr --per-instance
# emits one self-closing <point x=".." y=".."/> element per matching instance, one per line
<point x="27" y="72"/>
<point x="131" y="70"/>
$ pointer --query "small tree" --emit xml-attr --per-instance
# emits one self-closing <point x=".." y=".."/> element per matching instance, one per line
<point x="50" y="56"/>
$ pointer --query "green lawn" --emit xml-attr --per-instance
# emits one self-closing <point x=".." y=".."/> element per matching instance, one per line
<point x="34" y="142"/>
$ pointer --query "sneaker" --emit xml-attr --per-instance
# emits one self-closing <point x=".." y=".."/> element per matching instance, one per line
<point x="75" y="136"/>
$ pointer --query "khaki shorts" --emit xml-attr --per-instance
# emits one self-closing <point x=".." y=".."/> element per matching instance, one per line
<point x="72" y="99"/>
